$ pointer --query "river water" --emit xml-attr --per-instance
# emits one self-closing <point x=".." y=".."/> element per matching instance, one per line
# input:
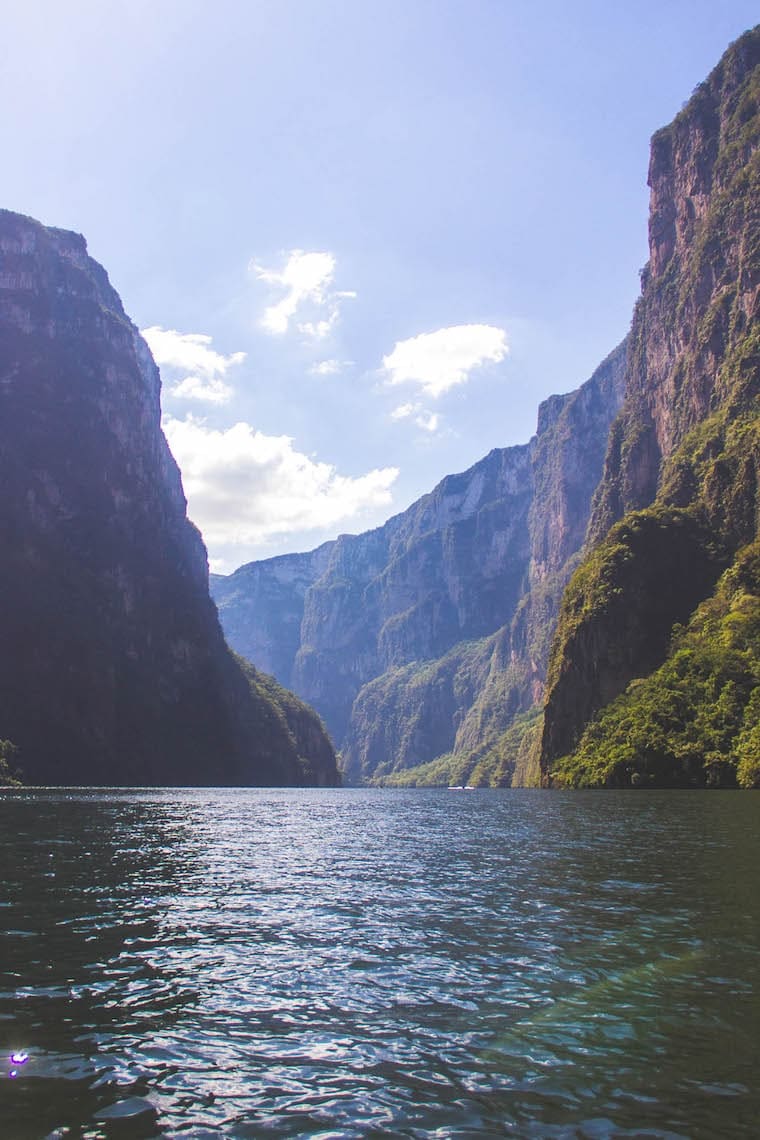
<point x="377" y="963"/>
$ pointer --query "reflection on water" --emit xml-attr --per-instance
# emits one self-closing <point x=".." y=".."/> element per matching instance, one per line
<point x="83" y="980"/>
<point x="375" y="963"/>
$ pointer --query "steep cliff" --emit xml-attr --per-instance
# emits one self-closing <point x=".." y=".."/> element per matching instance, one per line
<point x="681" y="470"/>
<point x="463" y="705"/>
<point x="695" y="720"/>
<point x="426" y="636"/>
<point x="448" y="569"/>
<point x="114" y="668"/>
<point x="262" y="606"/>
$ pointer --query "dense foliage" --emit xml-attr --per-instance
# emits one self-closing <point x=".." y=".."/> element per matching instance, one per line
<point x="625" y="704"/>
<point x="695" y="721"/>
<point x="9" y="773"/>
<point x="285" y="717"/>
<point x="508" y="762"/>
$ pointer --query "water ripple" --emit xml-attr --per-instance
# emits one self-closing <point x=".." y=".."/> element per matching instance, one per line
<point x="345" y="964"/>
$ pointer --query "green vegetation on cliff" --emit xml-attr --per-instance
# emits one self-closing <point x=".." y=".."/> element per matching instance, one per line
<point x="509" y="762"/>
<point x="403" y="717"/>
<point x="652" y="570"/>
<point x="695" y="721"/>
<point x="446" y="719"/>
<point x="309" y="754"/>
<point x="9" y="774"/>
<point x="625" y="702"/>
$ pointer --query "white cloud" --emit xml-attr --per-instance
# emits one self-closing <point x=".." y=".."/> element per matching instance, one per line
<point x="329" y="367"/>
<point x="440" y="360"/>
<point x="209" y="391"/>
<point x="245" y="487"/>
<point x="192" y="354"/>
<point x="423" y="418"/>
<point x="404" y="411"/>
<point x="306" y="279"/>
<point x="319" y="329"/>
<point x="428" y="421"/>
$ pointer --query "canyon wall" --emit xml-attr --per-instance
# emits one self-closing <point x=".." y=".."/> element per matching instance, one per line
<point x="679" y="496"/>
<point x="114" y="668"/>
<point x="427" y="635"/>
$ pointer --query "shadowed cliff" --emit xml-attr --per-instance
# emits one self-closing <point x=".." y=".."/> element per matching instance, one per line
<point x="114" y="668"/>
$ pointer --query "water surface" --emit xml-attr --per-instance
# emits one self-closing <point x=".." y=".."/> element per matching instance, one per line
<point x="379" y="963"/>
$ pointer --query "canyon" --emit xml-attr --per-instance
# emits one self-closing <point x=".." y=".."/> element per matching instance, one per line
<point x="477" y="636"/>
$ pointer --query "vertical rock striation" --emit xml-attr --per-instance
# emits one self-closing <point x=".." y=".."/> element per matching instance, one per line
<point x="699" y="288"/>
<point x="114" y="668"/>
<point x="447" y="569"/>
<point x="263" y="607"/>
<point x="681" y="472"/>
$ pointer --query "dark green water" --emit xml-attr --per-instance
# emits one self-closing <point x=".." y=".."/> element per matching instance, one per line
<point x="378" y="963"/>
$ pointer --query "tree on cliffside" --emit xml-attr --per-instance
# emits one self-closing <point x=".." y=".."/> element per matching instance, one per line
<point x="9" y="773"/>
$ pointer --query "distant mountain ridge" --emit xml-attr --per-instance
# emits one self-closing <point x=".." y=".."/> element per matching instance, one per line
<point x="429" y="644"/>
<point x="114" y="669"/>
<point x="398" y="636"/>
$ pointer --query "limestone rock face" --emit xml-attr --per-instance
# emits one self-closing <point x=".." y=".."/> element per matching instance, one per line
<point x="428" y="634"/>
<point x="263" y="606"/>
<point x="114" y="667"/>
<point x="465" y="700"/>
<point x="449" y="568"/>
<point x="699" y="294"/>
<point x="681" y="470"/>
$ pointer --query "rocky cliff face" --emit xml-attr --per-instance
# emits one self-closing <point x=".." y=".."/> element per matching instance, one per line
<point x="263" y="607"/>
<point x="429" y="634"/>
<point x="699" y="289"/>
<point x="464" y="703"/>
<point x="682" y="465"/>
<point x="449" y="568"/>
<point x="114" y="667"/>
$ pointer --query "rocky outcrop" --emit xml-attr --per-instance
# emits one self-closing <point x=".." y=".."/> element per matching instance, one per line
<point x="427" y="635"/>
<point x="450" y="568"/>
<point x="114" y="667"/>
<point x="699" y="290"/>
<point x="682" y="464"/>
<point x="410" y="715"/>
<point x="262" y="607"/>
<point x="465" y="702"/>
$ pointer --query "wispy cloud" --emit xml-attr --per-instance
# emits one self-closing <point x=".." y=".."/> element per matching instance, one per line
<point x="428" y="421"/>
<point x="329" y="367"/>
<point x="423" y="418"/>
<point x="307" y="280"/>
<point x="404" y="411"/>
<point x="207" y="391"/>
<point x="205" y="368"/>
<point x="318" y="330"/>
<point x="440" y="360"/>
<point x="244" y="487"/>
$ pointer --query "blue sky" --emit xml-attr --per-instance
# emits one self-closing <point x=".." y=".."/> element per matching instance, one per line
<point x="364" y="238"/>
